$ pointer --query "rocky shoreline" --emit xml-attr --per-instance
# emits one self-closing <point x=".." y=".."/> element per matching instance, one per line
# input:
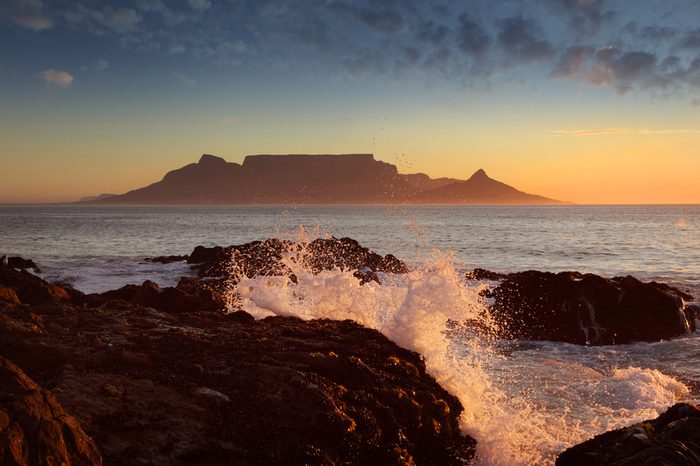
<point x="151" y="375"/>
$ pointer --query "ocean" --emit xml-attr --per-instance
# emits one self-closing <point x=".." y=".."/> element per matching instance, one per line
<point x="525" y="401"/>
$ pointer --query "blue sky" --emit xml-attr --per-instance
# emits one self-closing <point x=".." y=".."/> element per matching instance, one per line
<point x="429" y="85"/>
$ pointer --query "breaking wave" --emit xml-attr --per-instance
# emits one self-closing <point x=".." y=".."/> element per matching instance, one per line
<point x="524" y="401"/>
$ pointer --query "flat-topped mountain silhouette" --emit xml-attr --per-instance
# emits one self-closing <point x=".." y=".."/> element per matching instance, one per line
<point x="315" y="179"/>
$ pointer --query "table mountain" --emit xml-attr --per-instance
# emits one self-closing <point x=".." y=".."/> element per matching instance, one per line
<point x="315" y="179"/>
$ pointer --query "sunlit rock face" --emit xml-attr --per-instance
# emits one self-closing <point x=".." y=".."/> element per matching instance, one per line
<point x="34" y="428"/>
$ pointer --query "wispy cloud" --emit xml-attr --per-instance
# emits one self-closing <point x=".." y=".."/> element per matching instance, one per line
<point x="621" y="132"/>
<point x="56" y="77"/>
<point x="186" y="80"/>
<point x="97" y="65"/>
<point x="199" y="4"/>
<point x="28" y="14"/>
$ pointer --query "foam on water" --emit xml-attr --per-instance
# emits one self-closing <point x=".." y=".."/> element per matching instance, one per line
<point x="91" y="274"/>
<point x="523" y="404"/>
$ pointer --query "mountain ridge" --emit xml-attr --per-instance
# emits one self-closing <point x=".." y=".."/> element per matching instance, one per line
<point x="315" y="179"/>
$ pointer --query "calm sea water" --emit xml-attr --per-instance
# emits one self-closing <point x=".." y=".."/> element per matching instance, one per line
<point x="659" y="242"/>
<point x="525" y="401"/>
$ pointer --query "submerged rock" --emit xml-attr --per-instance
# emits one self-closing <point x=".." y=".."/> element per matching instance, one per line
<point x="34" y="428"/>
<point x="167" y="259"/>
<point x="588" y="309"/>
<point x="19" y="263"/>
<point x="671" y="439"/>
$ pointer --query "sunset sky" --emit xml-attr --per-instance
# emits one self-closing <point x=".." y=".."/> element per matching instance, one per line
<point x="589" y="101"/>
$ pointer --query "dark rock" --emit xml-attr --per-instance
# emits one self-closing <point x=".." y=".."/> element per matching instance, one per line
<point x="483" y="274"/>
<point x="19" y="263"/>
<point x="31" y="289"/>
<point x="588" y="309"/>
<point x="34" y="428"/>
<point x="692" y="314"/>
<point x="348" y="254"/>
<point x="242" y="317"/>
<point x="671" y="439"/>
<point x="8" y="295"/>
<point x="366" y="276"/>
<point x="204" y="388"/>
<point x="167" y="259"/>
<point x="265" y="258"/>
<point x="204" y="254"/>
<point x="189" y="295"/>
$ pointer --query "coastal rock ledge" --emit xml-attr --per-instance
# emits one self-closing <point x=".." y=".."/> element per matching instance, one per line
<point x="671" y="439"/>
<point x="588" y="309"/>
<point x="182" y="387"/>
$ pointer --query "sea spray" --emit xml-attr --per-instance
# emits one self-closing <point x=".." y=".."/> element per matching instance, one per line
<point x="521" y="407"/>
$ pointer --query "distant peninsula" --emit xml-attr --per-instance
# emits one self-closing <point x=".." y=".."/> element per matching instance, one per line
<point x="315" y="179"/>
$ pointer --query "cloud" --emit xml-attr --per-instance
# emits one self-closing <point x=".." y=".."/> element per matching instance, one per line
<point x="658" y="33"/>
<point x="622" y="132"/>
<point x="103" y="22"/>
<point x="121" y="19"/>
<point x="97" y="65"/>
<point x="522" y="39"/>
<point x="586" y="17"/>
<point x="150" y="5"/>
<point x="175" y="49"/>
<point x="691" y="40"/>
<point x="385" y="19"/>
<point x="27" y="13"/>
<point x="56" y="77"/>
<point x="186" y="80"/>
<point x="471" y="36"/>
<point x="622" y="70"/>
<point x="433" y="33"/>
<point x="199" y="5"/>
<point x="618" y="69"/>
<point x="573" y="61"/>
<point x="476" y="43"/>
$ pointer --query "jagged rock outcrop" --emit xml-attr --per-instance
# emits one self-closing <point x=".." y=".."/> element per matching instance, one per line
<point x="588" y="309"/>
<point x="34" y="428"/>
<point x="671" y="439"/>
<point x="265" y="258"/>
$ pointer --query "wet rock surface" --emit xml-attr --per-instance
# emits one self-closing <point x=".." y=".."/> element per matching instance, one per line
<point x="190" y="294"/>
<point x="19" y="263"/>
<point x="589" y="309"/>
<point x="671" y="439"/>
<point x="180" y="387"/>
<point x="266" y="258"/>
